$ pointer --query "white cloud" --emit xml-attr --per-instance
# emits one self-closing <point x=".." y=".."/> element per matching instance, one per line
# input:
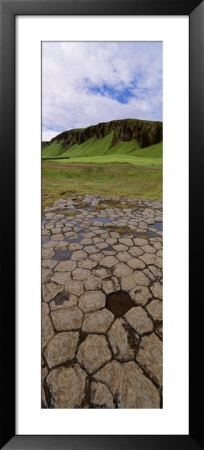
<point x="70" y="69"/>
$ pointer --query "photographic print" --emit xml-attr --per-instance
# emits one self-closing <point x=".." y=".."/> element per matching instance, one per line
<point x="102" y="224"/>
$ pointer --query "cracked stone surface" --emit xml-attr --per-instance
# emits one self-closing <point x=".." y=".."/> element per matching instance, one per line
<point x="155" y="309"/>
<point x="101" y="396"/>
<point x="110" y="374"/>
<point x="140" y="294"/>
<point x="47" y="330"/>
<point x="150" y="356"/>
<point x="118" y="337"/>
<point x="61" y="348"/>
<point x="92" y="300"/>
<point x="67" y="387"/>
<point x="137" y="391"/>
<point x="93" y="352"/>
<point x="67" y="319"/>
<point x="92" y="356"/>
<point x="139" y="320"/>
<point x="74" y="287"/>
<point x="98" y="321"/>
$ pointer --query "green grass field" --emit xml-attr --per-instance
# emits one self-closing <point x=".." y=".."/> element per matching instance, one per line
<point x="61" y="179"/>
<point x="94" y="167"/>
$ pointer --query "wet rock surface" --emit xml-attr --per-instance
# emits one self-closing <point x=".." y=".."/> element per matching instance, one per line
<point x="102" y="303"/>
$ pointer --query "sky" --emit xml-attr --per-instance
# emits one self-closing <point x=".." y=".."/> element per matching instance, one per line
<point x="84" y="83"/>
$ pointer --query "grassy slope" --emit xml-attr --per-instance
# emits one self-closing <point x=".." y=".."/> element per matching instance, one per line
<point x="91" y="147"/>
<point x="149" y="156"/>
<point x="54" y="149"/>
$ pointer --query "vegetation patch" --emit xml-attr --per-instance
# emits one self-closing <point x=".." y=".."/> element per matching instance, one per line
<point x="72" y="213"/>
<point x="120" y="230"/>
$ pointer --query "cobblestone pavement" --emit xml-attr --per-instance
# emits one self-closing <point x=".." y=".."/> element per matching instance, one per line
<point x="102" y="303"/>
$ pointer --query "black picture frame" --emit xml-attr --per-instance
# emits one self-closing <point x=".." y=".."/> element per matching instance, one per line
<point x="9" y="10"/>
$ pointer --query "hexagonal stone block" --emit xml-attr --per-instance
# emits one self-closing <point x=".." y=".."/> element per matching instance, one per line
<point x="58" y="237"/>
<point x="137" y="391"/>
<point x="49" y="244"/>
<point x="79" y="255"/>
<point x="49" y="263"/>
<point x="111" y="241"/>
<point x="93" y="352"/>
<point x="47" y="330"/>
<point x="157" y="290"/>
<point x="66" y="266"/>
<point x="47" y="253"/>
<point x="148" y="258"/>
<point x="158" y="262"/>
<point x="80" y="274"/>
<point x="67" y="319"/>
<point x="135" y="263"/>
<point x="139" y="320"/>
<point x="86" y="241"/>
<point x="50" y="290"/>
<point x="126" y="241"/>
<point x="74" y="287"/>
<point x="98" y="321"/>
<point x="97" y="257"/>
<point x="149" y="249"/>
<point x="46" y="275"/>
<point x="110" y="374"/>
<point x="87" y="264"/>
<point x="101" y="272"/>
<point x="75" y="246"/>
<point x="67" y="387"/>
<point x="45" y="309"/>
<point x="91" y="283"/>
<point x="91" y="249"/>
<point x="61" y="348"/>
<point x="122" y="270"/>
<point x="159" y="329"/>
<point x="150" y="356"/>
<point x="128" y="283"/>
<point x="135" y="251"/>
<point x="108" y="261"/>
<point x="140" y="278"/>
<point x="118" y="338"/>
<point x="101" y="245"/>
<point x="139" y="242"/>
<point x="92" y="300"/>
<point x="120" y="247"/>
<point x="155" y="308"/>
<point x="123" y="256"/>
<point x="61" y="277"/>
<point x="101" y="396"/>
<point x="110" y="285"/>
<point x="140" y="295"/>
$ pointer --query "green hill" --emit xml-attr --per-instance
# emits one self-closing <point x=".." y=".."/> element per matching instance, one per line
<point x="131" y="137"/>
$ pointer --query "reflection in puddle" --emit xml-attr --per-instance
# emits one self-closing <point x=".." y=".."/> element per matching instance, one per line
<point x="62" y="255"/>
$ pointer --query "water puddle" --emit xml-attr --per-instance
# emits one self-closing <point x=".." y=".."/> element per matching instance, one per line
<point x="44" y="240"/>
<point x="158" y="226"/>
<point x="101" y="219"/>
<point x="62" y="255"/>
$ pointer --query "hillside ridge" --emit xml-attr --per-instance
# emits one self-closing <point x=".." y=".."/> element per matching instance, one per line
<point x="144" y="131"/>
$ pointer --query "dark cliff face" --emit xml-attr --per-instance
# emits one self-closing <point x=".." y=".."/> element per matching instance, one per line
<point x="145" y="132"/>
